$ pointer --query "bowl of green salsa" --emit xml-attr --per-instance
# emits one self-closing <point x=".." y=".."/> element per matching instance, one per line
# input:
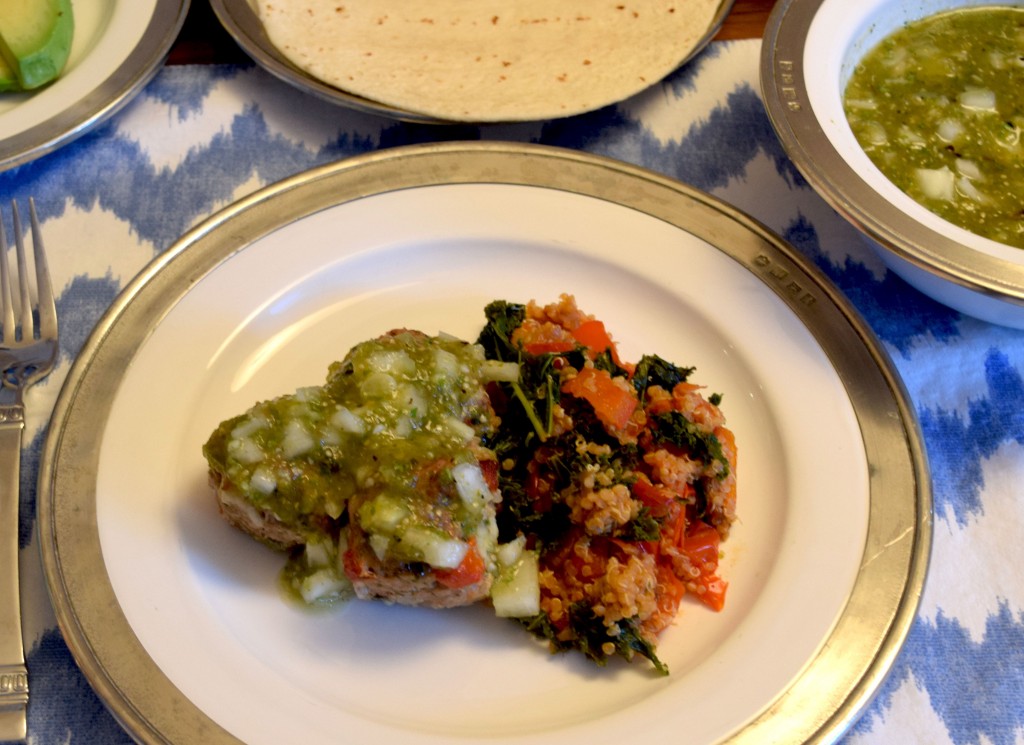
<point x="908" y="118"/>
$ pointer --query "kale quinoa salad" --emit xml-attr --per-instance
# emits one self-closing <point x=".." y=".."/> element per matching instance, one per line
<point x="579" y="494"/>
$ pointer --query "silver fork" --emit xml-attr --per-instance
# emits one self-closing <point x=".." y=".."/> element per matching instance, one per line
<point x="28" y="350"/>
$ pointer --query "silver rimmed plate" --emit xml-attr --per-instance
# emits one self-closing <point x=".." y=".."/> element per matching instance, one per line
<point x="118" y="47"/>
<point x="241" y="21"/>
<point x="177" y="619"/>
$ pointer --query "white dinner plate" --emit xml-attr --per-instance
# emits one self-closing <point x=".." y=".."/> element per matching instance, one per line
<point x="118" y="46"/>
<point x="177" y="619"/>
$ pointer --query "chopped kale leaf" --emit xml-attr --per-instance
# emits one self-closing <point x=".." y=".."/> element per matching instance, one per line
<point x="674" y="428"/>
<point x="496" y="338"/>
<point x="643" y="527"/>
<point x="590" y="636"/>
<point x="653" y="370"/>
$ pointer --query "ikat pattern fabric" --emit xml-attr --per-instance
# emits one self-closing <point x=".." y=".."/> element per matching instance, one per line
<point x="199" y="137"/>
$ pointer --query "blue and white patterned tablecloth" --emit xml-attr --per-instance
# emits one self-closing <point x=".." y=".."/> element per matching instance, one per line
<point x="199" y="137"/>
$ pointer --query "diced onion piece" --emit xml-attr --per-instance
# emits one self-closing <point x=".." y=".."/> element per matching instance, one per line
<point x="364" y="475"/>
<point x="965" y="188"/>
<point x="392" y="361"/>
<point x="446" y="364"/>
<point x="263" y="480"/>
<point x="348" y="421"/>
<point x="402" y="427"/>
<point x="460" y="428"/>
<point x="862" y="104"/>
<point x="297" y="440"/>
<point x="245" y="450"/>
<point x="379" y="544"/>
<point x="516" y="594"/>
<point x="438" y="551"/>
<point x="317" y="554"/>
<point x="936" y="183"/>
<point x="249" y="426"/>
<point x="333" y="508"/>
<point x="411" y="398"/>
<point x="505" y="372"/>
<point x="322" y="584"/>
<point x="950" y="129"/>
<point x="307" y="393"/>
<point x="470" y="484"/>
<point x="383" y="514"/>
<point x="874" y="133"/>
<point x="968" y="168"/>
<point x="912" y="137"/>
<point x="509" y="553"/>
<point x="378" y="385"/>
<point x="978" y="99"/>
<point x="487" y="541"/>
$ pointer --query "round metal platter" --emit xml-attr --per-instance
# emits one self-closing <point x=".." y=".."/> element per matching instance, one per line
<point x="240" y="20"/>
<point x="119" y="45"/>
<point x="176" y="618"/>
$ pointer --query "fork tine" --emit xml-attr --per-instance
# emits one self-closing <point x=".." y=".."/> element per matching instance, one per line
<point x="44" y="292"/>
<point x="27" y="326"/>
<point x="6" y="301"/>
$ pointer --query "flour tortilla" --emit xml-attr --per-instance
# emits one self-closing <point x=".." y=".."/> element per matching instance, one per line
<point x="488" y="60"/>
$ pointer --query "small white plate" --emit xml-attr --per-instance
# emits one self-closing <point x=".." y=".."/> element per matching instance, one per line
<point x="118" y="47"/>
<point x="177" y="619"/>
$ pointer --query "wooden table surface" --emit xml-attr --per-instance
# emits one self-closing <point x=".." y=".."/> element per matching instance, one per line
<point x="204" y="41"/>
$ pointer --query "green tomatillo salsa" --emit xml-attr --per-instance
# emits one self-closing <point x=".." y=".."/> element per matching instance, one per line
<point x="938" y="106"/>
<point x="398" y="423"/>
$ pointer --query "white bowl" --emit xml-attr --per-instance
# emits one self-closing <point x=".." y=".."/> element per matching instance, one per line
<point x="810" y="48"/>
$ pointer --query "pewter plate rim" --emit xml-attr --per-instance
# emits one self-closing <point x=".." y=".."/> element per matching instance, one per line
<point x="140" y="65"/>
<point x="821" y="702"/>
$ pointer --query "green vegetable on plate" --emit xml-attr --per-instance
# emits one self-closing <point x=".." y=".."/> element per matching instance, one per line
<point x="35" y="42"/>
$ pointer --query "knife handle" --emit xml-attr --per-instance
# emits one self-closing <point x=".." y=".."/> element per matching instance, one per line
<point x="13" y="673"/>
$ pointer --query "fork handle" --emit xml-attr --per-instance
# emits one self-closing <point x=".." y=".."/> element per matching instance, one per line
<point x="13" y="673"/>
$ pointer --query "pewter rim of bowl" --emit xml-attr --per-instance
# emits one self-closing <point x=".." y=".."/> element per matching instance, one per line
<point x="141" y="65"/>
<point x="787" y="101"/>
<point x="239" y="19"/>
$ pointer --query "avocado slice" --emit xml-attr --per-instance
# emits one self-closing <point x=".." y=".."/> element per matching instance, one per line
<point x="35" y="39"/>
<point x="8" y="80"/>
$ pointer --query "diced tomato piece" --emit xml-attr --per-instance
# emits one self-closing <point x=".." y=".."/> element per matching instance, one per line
<point x="652" y="495"/>
<point x="614" y="405"/>
<point x="490" y="471"/>
<point x="714" y="592"/>
<point x="701" y="544"/>
<point x="594" y="336"/>
<point x="469" y="572"/>
<point x="543" y="338"/>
